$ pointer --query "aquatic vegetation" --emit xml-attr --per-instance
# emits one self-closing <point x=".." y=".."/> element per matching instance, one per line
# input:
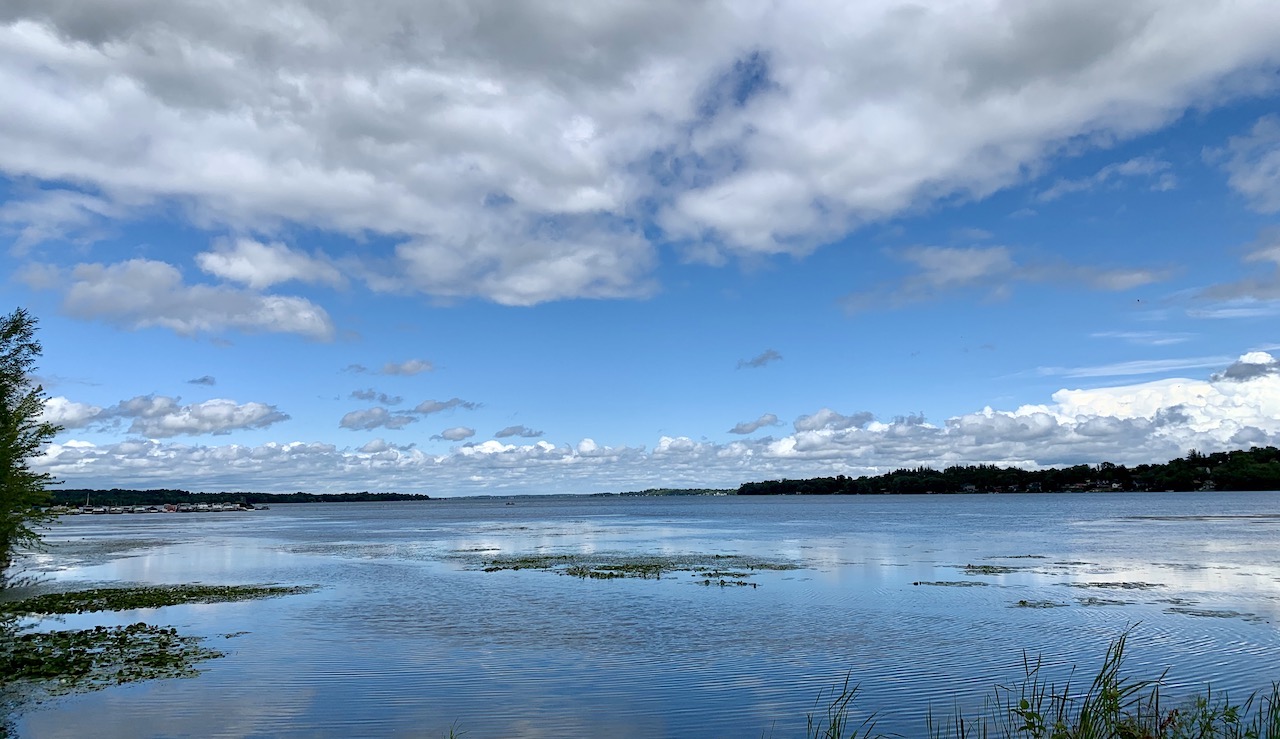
<point x="151" y="596"/>
<point x="727" y="583"/>
<point x="1114" y="585"/>
<point x="715" y="569"/>
<point x="1092" y="601"/>
<point x="60" y="662"/>
<point x="1038" y="604"/>
<point x="37" y="663"/>
<point x="1113" y="706"/>
<point x="989" y="569"/>
<point x="1212" y="613"/>
<point x="954" y="583"/>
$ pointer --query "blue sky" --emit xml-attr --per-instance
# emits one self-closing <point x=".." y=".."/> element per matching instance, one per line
<point x="545" y="247"/>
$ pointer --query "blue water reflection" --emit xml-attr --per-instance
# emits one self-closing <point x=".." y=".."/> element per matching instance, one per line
<point x="407" y="635"/>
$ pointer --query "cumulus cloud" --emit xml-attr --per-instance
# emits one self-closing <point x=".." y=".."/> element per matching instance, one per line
<point x="258" y="265"/>
<point x="69" y="414"/>
<point x="1127" y="424"/>
<point x="374" y="396"/>
<point x="161" y="417"/>
<point x="760" y="360"/>
<point x="427" y="407"/>
<point x="143" y="293"/>
<point x="990" y="270"/>
<point x="383" y="447"/>
<point x="523" y="432"/>
<point x="521" y="167"/>
<point x="457" y="433"/>
<point x="372" y="418"/>
<point x="750" y="427"/>
<point x="203" y="380"/>
<point x="831" y="420"/>
<point x="1250" y="366"/>
<point x="408" y="367"/>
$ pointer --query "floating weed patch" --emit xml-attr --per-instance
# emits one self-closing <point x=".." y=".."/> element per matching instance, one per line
<point x="730" y="568"/>
<point x="1092" y="601"/>
<point x="1115" y="585"/>
<point x="1037" y="604"/>
<point x="989" y="569"/>
<point x="723" y="583"/>
<point x="128" y="599"/>
<point x="1212" y="613"/>
<point x="953" y="583"/>
<point x="60" y="662"/>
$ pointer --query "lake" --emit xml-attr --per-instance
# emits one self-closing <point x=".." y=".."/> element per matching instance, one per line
<point x="408" y="635"/>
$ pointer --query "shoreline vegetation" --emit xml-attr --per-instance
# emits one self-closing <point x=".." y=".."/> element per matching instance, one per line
<point x="1113" y="705"/>
<point x="1241" y="470"/>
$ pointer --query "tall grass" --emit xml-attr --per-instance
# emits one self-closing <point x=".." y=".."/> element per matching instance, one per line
<point x="1113" y="706"/>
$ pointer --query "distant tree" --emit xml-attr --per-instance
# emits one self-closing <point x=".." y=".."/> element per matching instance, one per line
<point x="22" y="434"/>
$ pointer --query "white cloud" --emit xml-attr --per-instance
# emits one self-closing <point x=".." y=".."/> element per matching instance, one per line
<point x="831" y="420"/>
<point x="143" y="293"/>
<point x="68" y="413"/>
<point x="258" y="265"/>
<point x="428" y="407"/>
<point x="57" y="214"/>
<point x="516" y="152"/>
<point x="457" y="433"/>
<point x="373" y="395"/>
<point x="992" y="270"/>
<point x="407" y="368"/>
<point x="1146" y="338"/>
<point x="1127" y="424"/>
<point x="1253" y="164"/>
<point x="750" y="427"/>
<point x="372" y="418"/>
<point x="1156" y="170"/>
<point x="522" y="431"/>
<point x="1135" y="367"/>
<point x="162" y="417"/>
<point x="1255" y="295"/>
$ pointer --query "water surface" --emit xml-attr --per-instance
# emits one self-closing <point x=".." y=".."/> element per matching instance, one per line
<point x="407" y="634"/>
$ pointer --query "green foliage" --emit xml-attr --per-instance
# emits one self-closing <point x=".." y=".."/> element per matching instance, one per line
<point x="22" y="434"/>
<point x="1113" y="706"/>
<point x="1246" y="469"/>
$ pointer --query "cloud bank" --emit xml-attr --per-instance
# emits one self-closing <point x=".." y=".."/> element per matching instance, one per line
<point x="529" y="153"/>
<point x="1237" y="407"/>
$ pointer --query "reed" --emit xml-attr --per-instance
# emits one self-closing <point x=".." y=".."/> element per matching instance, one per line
<point x="1112" y="706"/>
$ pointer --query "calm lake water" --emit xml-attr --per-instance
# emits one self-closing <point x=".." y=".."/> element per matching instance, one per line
<point x="407" y="635"/>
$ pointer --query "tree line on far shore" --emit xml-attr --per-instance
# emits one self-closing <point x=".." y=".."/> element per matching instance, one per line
<point x="1247" y="469"/>
<point x="117" y="497"/>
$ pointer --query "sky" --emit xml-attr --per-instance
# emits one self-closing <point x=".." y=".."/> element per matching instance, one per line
<point x="491" y="247"/>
